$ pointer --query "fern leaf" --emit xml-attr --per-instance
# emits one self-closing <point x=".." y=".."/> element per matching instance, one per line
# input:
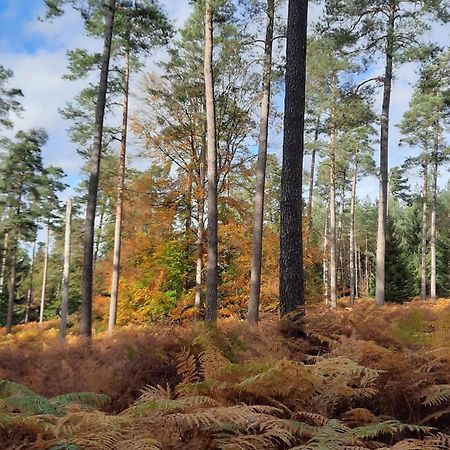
<point x="33" y="405"/>
<point x="388" y="427"/>
<point x="10" y="388"/>
<point x="86" y="399"/>
<point x="436" y="395"/>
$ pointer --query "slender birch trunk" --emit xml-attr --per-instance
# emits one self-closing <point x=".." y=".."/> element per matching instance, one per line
<point x="352" y="252"/>
<point x="4" y="257"/>
<point x="30" y="285"/>
<point x="212" y="273"/>
<point x="258" y="223"/>
<point x="423" y="265"/>
<point x="88" y="262"/>
<point x="66" y="272"/>
<point x="384" y="148"/>
<point x="119" y="206"/>
<point x="44" y="276"/>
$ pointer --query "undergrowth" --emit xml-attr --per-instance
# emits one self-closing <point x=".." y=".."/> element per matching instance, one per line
<point x="360" y="378"/>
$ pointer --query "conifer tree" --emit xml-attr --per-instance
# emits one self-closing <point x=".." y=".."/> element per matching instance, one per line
<point x="292" y="295"/>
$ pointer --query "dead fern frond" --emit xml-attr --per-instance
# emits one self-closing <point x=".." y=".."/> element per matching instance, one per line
<point x="187" y="368"/>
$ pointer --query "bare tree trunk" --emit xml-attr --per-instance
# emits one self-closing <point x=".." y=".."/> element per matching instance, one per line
<point x="30" y="286"/>
<point x="423" y="265"/>
<point x="88" y="262"/>
<point x="384" y="148"/>
<point x="212" y="275"/>
<point x="339" y="238"/>
<point x="325" y="275"/>
<point x="200" y="228"/>
<point x="12" y="287"/>
<point x="4" y="257"/>
<point x="352" y="252"/>
<point x="99" y="234"/>
<point x="357" y="269"/>
<point x="309" y="220"/>
<point x="433" y="214"/>
<point x="119" y="206"/>
<point x="66" y="273"/>
<point x="255" y="278"/>
<point x="366" y="267"/>
<point x="292" y="284"/>
<point x="44" y="276"/>
<point x="333" y="244"/>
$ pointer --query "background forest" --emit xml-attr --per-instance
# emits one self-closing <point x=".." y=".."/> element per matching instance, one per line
<point x="200" y="170"/>
<point x="164" y="190"/>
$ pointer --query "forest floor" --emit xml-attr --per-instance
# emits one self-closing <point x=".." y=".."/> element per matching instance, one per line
<point x="361" y="377"/>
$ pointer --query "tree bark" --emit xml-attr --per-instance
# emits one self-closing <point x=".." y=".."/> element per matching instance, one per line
<point x="423" y="265"/>
<point x="309" y="220"/>
<point x="333" y="243"/>
<point x="384" y="148"/>
<point x="325" y="277"/>
<point x="433" y="214"/>
<point x="12" y="287"/>
<point x="200" y="229"/>
<point x="87" y="278"/>
<point x="258" y="223"/>
<point x="66" y="272"/>
<point x="292" y="288"/>
<point x="4" y="257"/>
<point x="44" y="276"/>
<point x="119" y="206"/>
<point x="30" y="285"/>
<point x="352" y="252"/>
<point x="212" y="273"/>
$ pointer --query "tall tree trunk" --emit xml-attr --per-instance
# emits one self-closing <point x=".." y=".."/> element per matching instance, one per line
<point x="433" y="213"/>
<point x="30" y="285"/>
<point x="200" y="229"/>
<point x="255" y="277"/>
<point x="309" y="220"/>
<point x="99" y="236"/>
<point x="66" y="273"/>
<point x="353" y="267"/>
<point x="12" y="286"/>
<point x="423" y="265"/>
<point x="339" y="237"/>
<point x="325" y="275"/>
<point x="87" y="280"/>
<point x="357" y="268"/>
<point x="333" y="243"/>
<point x="384" y="148"/>
<point x="44" y="276"/>
<point x="292" y="285"/>
<point x="119" y="206"/>
<point x="4" y="257"/>
<point x="212" y="274"/>
<point x="366" y="267"/>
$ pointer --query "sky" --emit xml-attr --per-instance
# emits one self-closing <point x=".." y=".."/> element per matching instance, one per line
<point x="36" y="52"/>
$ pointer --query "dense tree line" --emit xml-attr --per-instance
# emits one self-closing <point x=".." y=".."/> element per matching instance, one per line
<point x="226" y="218"/>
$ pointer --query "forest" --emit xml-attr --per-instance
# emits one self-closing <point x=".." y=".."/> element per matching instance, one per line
<point x="256" y="252"/>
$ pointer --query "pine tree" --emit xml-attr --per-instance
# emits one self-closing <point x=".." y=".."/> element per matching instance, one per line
<point x="291" y="243"/>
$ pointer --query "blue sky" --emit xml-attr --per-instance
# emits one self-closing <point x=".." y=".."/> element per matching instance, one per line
<point x="36" y="52"/>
